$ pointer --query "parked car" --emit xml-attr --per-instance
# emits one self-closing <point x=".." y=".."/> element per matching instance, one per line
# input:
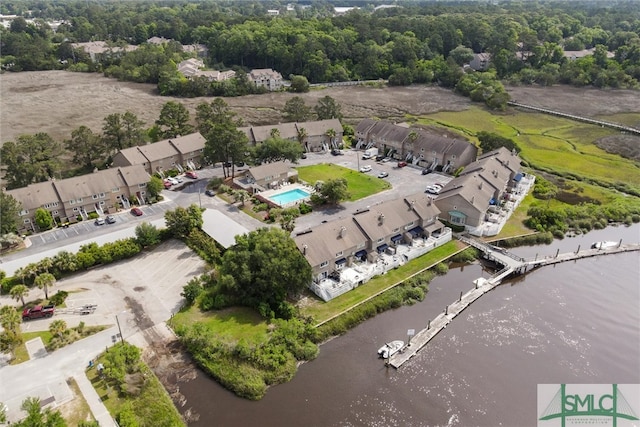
<point x="303" y="156"/>
<point x="172" y="180"/>
<point x="210" y="193"/>
<point x="383" y="174"/>
<point x="99" y="221"/>
<point x="136" y="211"/>
<point x="365" y="168"/>
<point x="178" y="178"/>
<point x="379" y="157"/>
<point x="38" y="312"/>
<point x="191" y="174"/>
<point x="110" y="219"/>
<point x="167" y="184"/>
<point x="337" y="152"/>
<point x="426" y="171"/>
<point x="402" y="164"/>
<point x="433" y="189"/>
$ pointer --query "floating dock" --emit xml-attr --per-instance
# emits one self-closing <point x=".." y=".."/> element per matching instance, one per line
<point x="512" y="264"/>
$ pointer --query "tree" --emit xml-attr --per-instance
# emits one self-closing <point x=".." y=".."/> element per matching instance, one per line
<point x="295" y="110"/>
<point x="491" y="141"/>
<point x="37" y="417"/>
<point x="225" y="143"/>
<point x="87" y="147"/>
<point x="10" y="239"/>
<point x="122" y="131"/>
<point x="181" y="221"/>
<point x="299" y="84"/>
<point x="44" y="281"/>
<point x="18" y="292"/>
<point x="266" y="267"/>
<point x="44" y="220"/>
<point x="9" y="318"/>
<point x="241" y="196"/>
<point x="461" y="55"/>
<point x="147" y="234"/>
<point x="278" y="149"/>
<point x="65" y="262"/>
<point x="174" y="120"/>
<point x="334" y="191"/>
<point x="328" y="108"/>
<point x="154" y="187"/>
<point x="9" y="210"/>
<point x="192" y="290"/>
<point x="31" y="158"/>
<point x="286" y="217"/>
<point x="58" y="328"/>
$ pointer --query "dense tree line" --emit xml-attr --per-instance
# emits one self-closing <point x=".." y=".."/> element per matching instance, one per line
<point x="421" y="42"/>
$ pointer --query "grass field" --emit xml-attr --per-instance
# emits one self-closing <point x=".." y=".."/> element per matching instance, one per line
<point x="360" y="185"/>
<point x="548" y="142"/>
<point x="230" y="324"/>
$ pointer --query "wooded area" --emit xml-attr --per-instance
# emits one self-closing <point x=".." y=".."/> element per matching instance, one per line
<point x="415" y="42"/>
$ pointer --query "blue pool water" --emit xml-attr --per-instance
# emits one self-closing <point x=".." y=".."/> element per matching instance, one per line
<point x="289" y="196"/>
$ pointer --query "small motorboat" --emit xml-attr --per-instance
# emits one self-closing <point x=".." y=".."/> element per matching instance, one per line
<point x="389" y="349"/>
<point x="604" y="245"/>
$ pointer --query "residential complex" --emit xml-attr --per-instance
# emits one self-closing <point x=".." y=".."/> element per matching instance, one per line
<point x="102" y="191"/>
<point x="416" y="146"/>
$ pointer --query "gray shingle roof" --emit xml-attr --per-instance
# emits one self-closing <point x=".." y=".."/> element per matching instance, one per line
<point x="325" y="241"/>
<point x="269" y="169"/>
<point x="381" y="220"/>
<point x="188" y="143"/>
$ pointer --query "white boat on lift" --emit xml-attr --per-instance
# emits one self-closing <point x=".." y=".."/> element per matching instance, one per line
<point x="389" y="349"/>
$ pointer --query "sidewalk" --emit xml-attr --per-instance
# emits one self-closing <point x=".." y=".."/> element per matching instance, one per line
<point x="98" y="409"/>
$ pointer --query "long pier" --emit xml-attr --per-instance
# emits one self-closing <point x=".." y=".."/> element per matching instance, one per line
<point x="511" y="264"/>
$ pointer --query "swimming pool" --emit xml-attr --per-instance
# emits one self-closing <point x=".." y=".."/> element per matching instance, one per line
<point x="289" y="196"/>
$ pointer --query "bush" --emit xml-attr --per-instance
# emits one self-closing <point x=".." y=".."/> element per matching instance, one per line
<point x="215" y="183"/>
<point x="304" y="208"/>
<point x="59" y="298"/>
<point x="133" y="200"/>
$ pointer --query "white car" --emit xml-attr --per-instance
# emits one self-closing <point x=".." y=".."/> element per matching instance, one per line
<point x="365" y="168"/>
<point x="433" y="189"/>
<point x="173" y="181"/>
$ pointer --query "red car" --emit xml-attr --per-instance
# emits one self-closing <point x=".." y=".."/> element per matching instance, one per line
<point x="402" y="164"/>
<point x="136" y="211"/>
<point x="167" y="184"/>
<point x="191" y="174"/>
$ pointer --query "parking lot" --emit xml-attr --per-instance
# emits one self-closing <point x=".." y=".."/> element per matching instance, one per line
<point x="142" y="291"/>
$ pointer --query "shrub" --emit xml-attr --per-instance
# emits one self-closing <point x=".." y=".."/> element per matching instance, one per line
<point x="214" y="183"/>
<point x="59" y="298"/>
<point x="93" y="215"/>
<point x="304" y="208"/>
<point x="133" y="200"/>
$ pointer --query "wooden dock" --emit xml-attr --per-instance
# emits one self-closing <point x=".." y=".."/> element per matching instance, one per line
<point x="512" y="264"/>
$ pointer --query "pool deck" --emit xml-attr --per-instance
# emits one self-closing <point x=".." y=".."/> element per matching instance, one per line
<point x="268" y="194"/>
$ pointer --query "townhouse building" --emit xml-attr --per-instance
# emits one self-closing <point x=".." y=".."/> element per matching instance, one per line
<point x="315" y="136"/>
<point x="417" y="146"/>
<point x="183" y="152"/>
<point x="481" y="189"/>
<point x="366" y="234"/>
<point x="267" y="78"/>
<point x="103" y="192"/>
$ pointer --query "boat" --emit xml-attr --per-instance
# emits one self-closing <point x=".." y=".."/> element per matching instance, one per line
<point x="389" y="349"/>
<point x="604" y="245"/>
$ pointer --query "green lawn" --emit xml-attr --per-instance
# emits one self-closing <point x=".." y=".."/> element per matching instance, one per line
<point x="21" y="354"/>
<point x="231" y="324"/>
<point x="360" y="185"/>
<point x="322" y="311"/>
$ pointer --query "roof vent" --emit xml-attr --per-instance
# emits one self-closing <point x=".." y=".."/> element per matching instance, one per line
<point x="343" y="231"/>
<point x="480" y="186"/>
<point x="304" y="249"/>
<point x="381" y="218"/>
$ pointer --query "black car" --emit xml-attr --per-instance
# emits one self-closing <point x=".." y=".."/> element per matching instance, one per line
<point x="303" y="156"/>
<point x="337" y="152"/>
<point x="426" y="171"/>
<point x="210" y="193"/>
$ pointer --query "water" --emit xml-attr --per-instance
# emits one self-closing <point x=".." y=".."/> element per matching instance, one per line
<point x="289" y="196"/>
<point x="577" y="322"/>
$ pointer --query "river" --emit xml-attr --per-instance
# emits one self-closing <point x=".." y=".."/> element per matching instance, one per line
<point x="577" y="322"/>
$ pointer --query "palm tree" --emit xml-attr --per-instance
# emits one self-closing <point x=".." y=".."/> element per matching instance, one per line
<point x="275" y="133"/>
<point x="331" y="133"/>
<point x="44" y="265"/>
<point x="18" y="292"/>
<point x="58" y="327"/>
<point x="43" y="281"/>
<point x="302" y="135"/>
<point x="65" y="261"/>
<point x="241" y="196"/>
<point x="9" y="318"/>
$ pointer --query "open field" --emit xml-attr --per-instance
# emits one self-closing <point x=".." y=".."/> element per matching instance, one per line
<point x="57" y="102"/>
<point x="548" y="142"/>
<point x="359" y="185"/>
